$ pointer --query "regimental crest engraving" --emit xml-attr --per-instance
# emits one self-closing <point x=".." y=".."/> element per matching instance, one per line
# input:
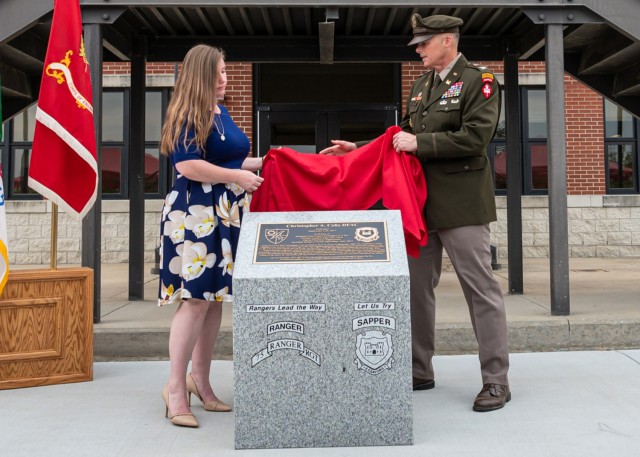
<point x="367" y="234"/>
<point x="276" y="236"/>
<point x="374" y="350"/>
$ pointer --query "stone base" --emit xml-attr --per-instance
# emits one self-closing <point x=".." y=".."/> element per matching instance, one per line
<point x="322" y="352"/>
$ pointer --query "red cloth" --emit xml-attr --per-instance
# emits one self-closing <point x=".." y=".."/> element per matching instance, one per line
<point x="63" y="165"/>
<point x="301" y="182"/>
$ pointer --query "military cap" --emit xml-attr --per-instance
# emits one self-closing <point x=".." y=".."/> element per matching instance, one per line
<point x="425" y="28"/>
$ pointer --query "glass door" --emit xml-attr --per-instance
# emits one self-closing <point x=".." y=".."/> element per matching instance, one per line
<point x="310" y="129"/>
<point x="360" y="125"/>
<point x="304" y="131"/>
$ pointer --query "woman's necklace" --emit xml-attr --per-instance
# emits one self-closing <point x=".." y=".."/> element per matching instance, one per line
<point x="221" y="128"/>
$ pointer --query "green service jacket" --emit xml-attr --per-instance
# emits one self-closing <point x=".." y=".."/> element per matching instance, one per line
<point x="453" y="126"/>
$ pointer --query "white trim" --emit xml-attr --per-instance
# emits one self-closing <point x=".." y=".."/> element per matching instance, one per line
<point x="49" y="194"/>
<point x="526" y="79"/>
<point x="124" y="80"/>
<point x="65" y="136"/>
<point x="49" y="122"/>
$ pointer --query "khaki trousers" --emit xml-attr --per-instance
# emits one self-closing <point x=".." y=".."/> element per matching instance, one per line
<point x="470" y="253"/>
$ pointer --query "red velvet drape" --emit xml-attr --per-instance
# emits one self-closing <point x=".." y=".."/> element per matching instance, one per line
<point x="303" y="182"/>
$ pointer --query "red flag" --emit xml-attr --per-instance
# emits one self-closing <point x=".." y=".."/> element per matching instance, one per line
<point x="356" y="181"/>
<point x="63" y="164"/>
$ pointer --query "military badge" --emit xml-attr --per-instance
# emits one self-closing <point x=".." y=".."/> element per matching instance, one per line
<point x="374" y="350"/>
<point x="276" y="236"/>
<point x="367" y="234"/>
<point x="487" y="90"/>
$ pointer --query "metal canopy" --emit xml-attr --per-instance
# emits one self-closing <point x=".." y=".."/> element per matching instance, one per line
<point x="600" y="38"/>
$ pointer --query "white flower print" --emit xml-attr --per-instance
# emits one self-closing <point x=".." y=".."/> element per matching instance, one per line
<point x="174" y="227"/>
<point x="236" y="189"/>
<point x="171" y="198"/>
<point x="175" y="264"/>
<point x="245" y="203"/>
<point x="229" y="213"/>
<point x="195" y="260"/>
<point x="216" y="296"/>
<point x="168" y="295"/>
<point x="227" y="258"/>
<point x="206" y="187"/>
<point x="201" y="220"/>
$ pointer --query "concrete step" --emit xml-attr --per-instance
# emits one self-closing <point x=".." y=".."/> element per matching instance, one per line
<point x="560" y="335"/>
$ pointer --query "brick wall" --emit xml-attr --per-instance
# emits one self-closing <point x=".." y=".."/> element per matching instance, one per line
<point x="585" y="140"/>
<point x="239" y="96"/>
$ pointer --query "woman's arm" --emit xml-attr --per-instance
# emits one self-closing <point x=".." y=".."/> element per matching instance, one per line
<point x="252" y="163"/>
<point x="203" y="171"/>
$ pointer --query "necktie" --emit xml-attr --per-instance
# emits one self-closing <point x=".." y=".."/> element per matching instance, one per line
<point x="436" y="83"/>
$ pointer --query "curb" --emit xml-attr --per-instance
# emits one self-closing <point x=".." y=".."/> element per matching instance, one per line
<point x="541" y="336"/>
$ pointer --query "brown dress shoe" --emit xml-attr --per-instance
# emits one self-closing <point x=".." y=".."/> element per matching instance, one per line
<point x="492" y="397"/>
<point x="423" y="384"/>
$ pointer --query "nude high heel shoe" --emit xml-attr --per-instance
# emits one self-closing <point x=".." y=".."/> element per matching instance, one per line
<point x="184" y="419"/>
<point x="217" y="406"/>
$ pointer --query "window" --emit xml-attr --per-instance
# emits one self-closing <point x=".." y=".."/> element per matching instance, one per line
<point x="535" y="140"/>
<point x="20" y="138"/>
<point x="621" y="150"/>
<point x="114" y="107"/>
<point x="497" y="151"/>
<point x="115" y="147"/>
<point x="534" y="134"/>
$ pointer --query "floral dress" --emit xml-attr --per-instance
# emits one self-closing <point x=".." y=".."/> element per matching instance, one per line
<point x="201" y="221"/>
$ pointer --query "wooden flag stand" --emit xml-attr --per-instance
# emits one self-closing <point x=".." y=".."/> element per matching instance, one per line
<point x="46" y="324"/>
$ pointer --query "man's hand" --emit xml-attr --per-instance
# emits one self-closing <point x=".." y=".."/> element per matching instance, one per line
<point x="404" y="141"/>
<point x="339" y="148"/>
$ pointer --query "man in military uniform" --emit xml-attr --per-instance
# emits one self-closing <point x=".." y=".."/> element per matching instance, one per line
<point x="452" y="114"/>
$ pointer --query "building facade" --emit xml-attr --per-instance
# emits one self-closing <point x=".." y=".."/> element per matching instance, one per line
<point x="305" y="105"/>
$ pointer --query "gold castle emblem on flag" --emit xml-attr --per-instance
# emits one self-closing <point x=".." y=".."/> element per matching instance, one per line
<point x="60" y="71"/>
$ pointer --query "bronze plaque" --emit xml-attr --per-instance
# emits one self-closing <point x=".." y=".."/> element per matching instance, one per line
<point x="312" y="242"/>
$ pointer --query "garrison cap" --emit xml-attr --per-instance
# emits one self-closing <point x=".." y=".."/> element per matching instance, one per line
<point x="425" y="28"/>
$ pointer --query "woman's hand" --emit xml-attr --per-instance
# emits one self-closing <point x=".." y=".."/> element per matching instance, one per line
<point x="248" y="180"/>
<point x="339" y="148"/>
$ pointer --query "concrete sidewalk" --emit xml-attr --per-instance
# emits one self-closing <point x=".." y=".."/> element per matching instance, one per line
<point x="604" y="297"/>
<point x="565" y="404"/>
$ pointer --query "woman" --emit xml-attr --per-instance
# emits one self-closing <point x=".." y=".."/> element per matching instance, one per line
<point x="200" y="224"/>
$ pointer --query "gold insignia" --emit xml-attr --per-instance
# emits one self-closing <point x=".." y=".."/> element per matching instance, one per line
<point x="61" y="72"/>
<point x="448" y="81"/>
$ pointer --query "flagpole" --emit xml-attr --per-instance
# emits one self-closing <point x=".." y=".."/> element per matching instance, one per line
<point x="54" y="236"/>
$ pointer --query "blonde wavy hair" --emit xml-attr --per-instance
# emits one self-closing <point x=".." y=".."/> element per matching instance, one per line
<point x="193" y="101"/>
